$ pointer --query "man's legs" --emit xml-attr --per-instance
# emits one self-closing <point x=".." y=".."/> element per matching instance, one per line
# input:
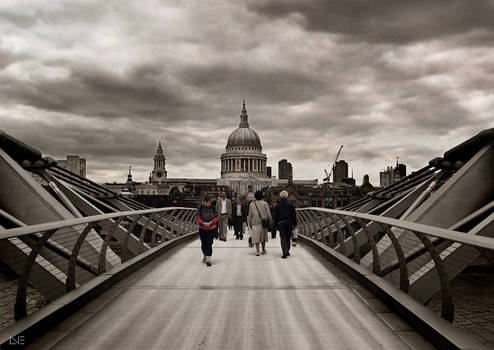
<point x="202" y="236"/>
<point x="288" y="239"/>
<point x="285" y="240"/>
<point x="236" y="226"/>
<point x="223" y="226"/>
<point x="208" y="240"/>
<point x="282" y="241"/>
<point x="208" y="246"/>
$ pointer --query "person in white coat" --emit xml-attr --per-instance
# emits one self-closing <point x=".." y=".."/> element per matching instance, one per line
<point x="259" y="211"/>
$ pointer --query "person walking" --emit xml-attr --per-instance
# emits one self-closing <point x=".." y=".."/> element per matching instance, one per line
<point x="239" y="216"/>
<point x="247" y="205"/>
<point x="259" y="220"/>
<point x="285" y="221"/>
<point x="224" y="209"/>
<point x="207" y="218"/>
<point x="213" y="204"/>
<point x="272" y="205"/>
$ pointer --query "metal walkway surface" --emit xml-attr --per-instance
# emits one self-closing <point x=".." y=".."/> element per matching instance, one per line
<point x="242" y="302"/>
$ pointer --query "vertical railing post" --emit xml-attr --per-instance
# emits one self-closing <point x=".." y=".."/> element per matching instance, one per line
<point x="316" y="227"/>
<point x="20" y="308"/>
<point x="330" y="231"/>
<point x="125" y="240"/>
<point x="104" y="247"/>
<point x="376" y="264"/>
<point x="356" y="249"/>
<point x="301" y="222"/>
<point x="155" y="229"/>
<point x="447" y="308"/>
<point x="140" y="247"/>
<point x="404" y="282"/>
<point x="70" y="283"/>
<point x="341" y="236"/>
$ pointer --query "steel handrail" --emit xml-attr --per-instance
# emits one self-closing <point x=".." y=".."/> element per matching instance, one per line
<point x="27" y="230"/>
<point x="180" y="219"/>
<point x="452" y="235"/>
<point x="310" y="223"/>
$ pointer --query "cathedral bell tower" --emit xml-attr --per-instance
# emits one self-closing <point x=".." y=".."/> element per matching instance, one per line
<point x="159" y="172"/>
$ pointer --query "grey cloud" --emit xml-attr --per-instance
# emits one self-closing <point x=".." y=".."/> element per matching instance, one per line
<point x="273" y="85"/>
<point x="94" y="92"/>
<point x="6" y="58"/>
<point x="18" y="19"/>
<point x="307" y="92"/>
<point x="389" y="21"/>
<point x="108" y="142"/>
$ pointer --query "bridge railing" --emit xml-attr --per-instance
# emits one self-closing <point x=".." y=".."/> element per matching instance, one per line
<point x="54" y="258"/>
<point x="419" y="259"/>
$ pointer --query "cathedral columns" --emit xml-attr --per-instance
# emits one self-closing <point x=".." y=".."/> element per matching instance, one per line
<point x="243" y="165"/>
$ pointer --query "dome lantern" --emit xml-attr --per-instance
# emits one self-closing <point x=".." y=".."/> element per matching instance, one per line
<point x="244" y="118"/>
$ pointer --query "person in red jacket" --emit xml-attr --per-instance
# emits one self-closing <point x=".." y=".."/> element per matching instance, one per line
<point x="207" y="219"/>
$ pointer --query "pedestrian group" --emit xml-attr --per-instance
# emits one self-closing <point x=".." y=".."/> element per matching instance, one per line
<point x="214" y="218"/>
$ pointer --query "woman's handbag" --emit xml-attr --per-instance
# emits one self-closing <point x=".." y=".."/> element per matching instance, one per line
<point x="264" y="222"/>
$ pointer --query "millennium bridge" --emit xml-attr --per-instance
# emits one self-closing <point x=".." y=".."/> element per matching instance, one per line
<point x="91" y="269"/>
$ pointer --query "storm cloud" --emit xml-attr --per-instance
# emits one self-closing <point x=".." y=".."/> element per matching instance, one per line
<point x="398" y="22"/>
<point x="108" y="81"/>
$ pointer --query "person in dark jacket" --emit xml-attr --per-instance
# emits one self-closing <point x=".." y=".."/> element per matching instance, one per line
<point x="285" y="220"/>
<point x="207" y="218"/>
<point x="239" y="216"/>
<point x="272" y="205"/>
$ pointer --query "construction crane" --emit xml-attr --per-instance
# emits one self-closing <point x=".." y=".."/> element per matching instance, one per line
<point x="328" y="175"/>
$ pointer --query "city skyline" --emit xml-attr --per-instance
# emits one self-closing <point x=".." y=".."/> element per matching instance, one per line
<point x="108" y="81"/>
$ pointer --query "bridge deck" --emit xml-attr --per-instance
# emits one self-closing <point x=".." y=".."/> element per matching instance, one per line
<point x="241" y="302"/>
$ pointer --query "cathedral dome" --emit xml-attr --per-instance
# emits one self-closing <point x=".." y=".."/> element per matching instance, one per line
<point x="243" y="137"/>
<point x="243" y="157"/>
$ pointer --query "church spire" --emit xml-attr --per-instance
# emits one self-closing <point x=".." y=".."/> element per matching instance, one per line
<point x="244" y="118"/>
<point x="129" y="177"/>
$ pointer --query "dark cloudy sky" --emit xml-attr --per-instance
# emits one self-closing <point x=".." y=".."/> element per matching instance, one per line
<point x="108" y="79"/>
